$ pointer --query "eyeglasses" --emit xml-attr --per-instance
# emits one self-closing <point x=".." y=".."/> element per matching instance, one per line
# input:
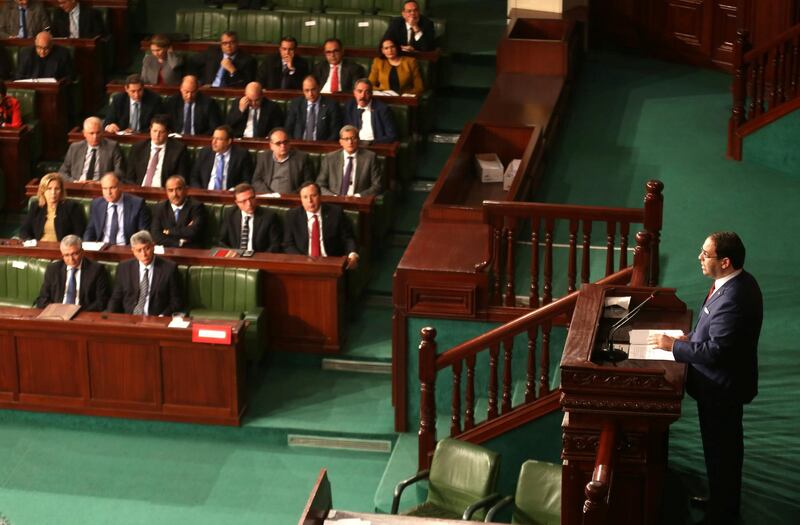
<point x="704" y="254"/>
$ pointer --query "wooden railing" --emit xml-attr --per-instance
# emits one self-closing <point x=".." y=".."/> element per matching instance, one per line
<point x="501" y="416"/>
<point x="507" y="219"/>
<point x="765" y="84"/>
<point x="598" y="490"/>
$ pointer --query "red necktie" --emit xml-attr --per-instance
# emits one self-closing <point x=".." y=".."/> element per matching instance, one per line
<point x="315" y="246"/>
<point x="710" y="291"/>
<point x="160" y="80"/>
<point x="335" y="79"/>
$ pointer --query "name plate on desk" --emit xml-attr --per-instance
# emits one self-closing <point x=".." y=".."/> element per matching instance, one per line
<point x="211" y="333"/>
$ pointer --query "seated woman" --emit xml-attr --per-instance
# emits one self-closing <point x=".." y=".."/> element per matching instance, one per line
<point x="162" y="65"/>
<point x="53" y="217"/>
<point x="10" y="114"/>
<point x="395" y="72"/>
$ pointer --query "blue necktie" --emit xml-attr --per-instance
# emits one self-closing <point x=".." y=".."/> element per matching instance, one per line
<point x="220" y="171"/>
<point x="177" y="212"/>
<point x="135" y="117"/>
<point x="71" y="286"/>
<point x="220" y="73"/>
<point x="23" y="23"/>
<point x="114" y="230"/>
<point x="187" y="118"/>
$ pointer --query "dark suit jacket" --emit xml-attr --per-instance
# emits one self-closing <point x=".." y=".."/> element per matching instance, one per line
<point x="266" y="230"/>
<point x="209" y="65"/>
<point x="57" y="64"/>
<point x="176" y="161"/>
<point x="397" y="32"/>
<point x="269" y="117"/>
<point x="70" y="220"/>
<point x="190" y="225"/>
<point x="165" y="288"/>
<point x="382" y="120"/>
<point x="369" y="180"/>
<point x="137" y="217"/>
<point x="337" y="232"/>
<point x="329" y="118"/>
<point x="348" y="74"/>
<point x="240" y="167"/>
<point x="206" y="114"/>
<point x="94" y="287"/>
<point x="271" y="73"/>
<point x="109" y="158"/>
<point x="300" y="170"/>
<point x="119" y="111"/>
<point x="90" y="22"/>
<point x="36" y="18"/>
<point x="722" y="349"/>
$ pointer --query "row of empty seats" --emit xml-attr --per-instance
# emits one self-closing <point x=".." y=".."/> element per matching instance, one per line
<point x="387" y="7"/>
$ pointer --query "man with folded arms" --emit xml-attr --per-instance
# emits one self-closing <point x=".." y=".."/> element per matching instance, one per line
<point x="250" y="227"/>
<point x="223" y="165"/>
<point x="178" y="221"/>
<point x="372" y="117"/>
<point x="75" y="279"/>
<point x="282" y="169"/>
<point x="116" y="216"/>
<point x="146" y="285"/>
<point x="88" y="159"/>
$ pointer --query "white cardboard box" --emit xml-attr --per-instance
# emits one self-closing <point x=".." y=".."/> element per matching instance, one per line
<point x="511" y="172"/>
<point x="489" y="167"/>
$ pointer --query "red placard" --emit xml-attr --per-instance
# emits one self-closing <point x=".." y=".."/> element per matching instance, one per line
<point x="211" y="333"/>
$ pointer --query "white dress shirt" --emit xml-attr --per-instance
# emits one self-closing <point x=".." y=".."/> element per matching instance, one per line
<point x="157" y="175"/>
<point x="366" y="133"/>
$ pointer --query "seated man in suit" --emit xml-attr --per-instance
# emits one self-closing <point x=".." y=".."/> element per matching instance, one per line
<point x="372" y="117"/>
<point x="146" y="285"/>
<point x="313" y="117"/>
<point x="23" y="19"/>
<point x="88" y="159"/>
<point x="223" y="165"/>
<point x="178" y="221"/>
<point x="76" y="19"/>
<point x="255" y="114"/>
<point x="116" y="216"/>
<point x="336" y="74"/>
<point x="282" y="169"/>
<point x="45" y="60"/>
<point x="284" y="70"/>
<point x="250" y="226"/>
<point x="153" y="161"/>
<point x="412" y="30"/>
<point x="225" y="65"/>
<point x="75" y="279"/>
<point x="191" y="112"/>
<point x="350" y="171"/>
<point x="133" y="110"/>
<point x="319" y="230"/>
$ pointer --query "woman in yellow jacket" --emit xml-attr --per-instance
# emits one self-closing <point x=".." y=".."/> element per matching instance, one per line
<point x="391" y="71"/>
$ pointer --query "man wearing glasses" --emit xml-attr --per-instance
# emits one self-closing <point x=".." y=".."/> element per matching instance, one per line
<point x="350" y="171"/>
<point x="45" y="60"/>
<point x="249" y="227"/>
<point x="723" y="368"/>
<point x="225" y="65"/>
<point x="282" y="169"/>
<point x="336" y="74"/>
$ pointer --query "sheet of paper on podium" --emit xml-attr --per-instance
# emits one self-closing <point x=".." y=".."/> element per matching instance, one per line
<point x="639" y="349"/>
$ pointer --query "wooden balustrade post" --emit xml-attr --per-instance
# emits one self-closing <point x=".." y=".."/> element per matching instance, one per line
<point x="508" y="350"/>
<point x="641" y="259"/>
<point x="494" y="353"/>
<point x="653" y="218"/>
<point x="739" y="90"/>
<point x="572" y="256"/>
<point x="427" y="402"/>
<point x="533" y="296"/>
<point x="597" y="491"/>
<point x="455" y="415"/>
<point x="509" y="298"/>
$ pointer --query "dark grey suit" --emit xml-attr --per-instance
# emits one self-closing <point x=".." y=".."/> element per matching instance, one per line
<point x="165" y="289"/>
<point x="369" y="179"/>
<point x="36" y="19"/>
<point x="300" y="171"/>
<point x="109" y="158"/>
<point x="328" y="122"/>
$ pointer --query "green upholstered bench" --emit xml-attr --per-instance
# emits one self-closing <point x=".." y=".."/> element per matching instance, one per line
<point x="230" y="294"/>
<point x="21" y="280"/>
<point x="256" y="26"/>
<point x="308" y="28"/>
<point x="27" y="109"/>
<point x="393" y="7"/>
<point x="361" y="31"/>
<point x="202" y="24"/>
<point x="349" y="7"/>
<point x="297" y="6"/>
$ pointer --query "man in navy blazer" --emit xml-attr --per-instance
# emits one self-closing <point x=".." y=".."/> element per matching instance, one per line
<point x="191" y="112"/>
<point x="254" y="114"/>
<point x="146" y="285"/>
<point x="75" y="279"/>
<point x="372" y="117"/>
<point x="412" y="30"/>
<point x="90" y="20"/>
<point x="223" y="165"/>
<point x="334" y="229"/>
<point x="116" y="216"/>
<point x="248" y="218"/>
<point x="327" y="116"/>
<point x="723" y="367"/>
<point x="225" y="65"/>
<point x="120" y="116"/>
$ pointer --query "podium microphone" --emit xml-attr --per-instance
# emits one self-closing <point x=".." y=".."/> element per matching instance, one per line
<point x="608" y="352"/>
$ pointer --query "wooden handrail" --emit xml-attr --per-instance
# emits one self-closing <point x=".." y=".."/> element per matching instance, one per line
<point x="598" y="490"/>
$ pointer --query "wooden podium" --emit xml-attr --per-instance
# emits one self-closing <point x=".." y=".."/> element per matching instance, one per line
<point x="617" y="415"/>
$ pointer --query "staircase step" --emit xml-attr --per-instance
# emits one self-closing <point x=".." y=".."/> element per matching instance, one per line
<point x="355" y="365"/>
<point x="340" y="443"/>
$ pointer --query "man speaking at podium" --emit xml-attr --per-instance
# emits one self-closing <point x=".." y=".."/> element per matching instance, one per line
<point x="723" y="367"/>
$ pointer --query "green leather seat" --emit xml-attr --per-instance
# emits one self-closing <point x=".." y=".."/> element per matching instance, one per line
<point x="13" y="56"/>
<point x="461" y="480"/>
<point x="402" y="120"/>
<point x="125" y="149"/>
<point x="393" y="7"/>
<point x="224" y="105"/>
<point x="202" y="24"/>
<point x="361" y="31"/>
<point x="347" y="7"/>
<point x="256" y="26"/>
<point x="537" y="499"/>
<point x="27" y="109"/>
<point x="21" y="280"/>
<point x="213" y="221"/>
<point x="308" y="29"/>
<point x="111" y="270"/>
<point x="229" y="294"/>
<point x="297" y="6"/>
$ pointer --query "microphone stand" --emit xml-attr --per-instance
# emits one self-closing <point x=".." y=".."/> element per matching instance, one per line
<point x="614" y="355"/>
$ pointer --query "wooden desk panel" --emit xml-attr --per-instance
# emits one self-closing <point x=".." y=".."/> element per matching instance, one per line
<point x="15" y="162"/>
<point x="119" y="365"/>
<point x="52" y="99"/>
